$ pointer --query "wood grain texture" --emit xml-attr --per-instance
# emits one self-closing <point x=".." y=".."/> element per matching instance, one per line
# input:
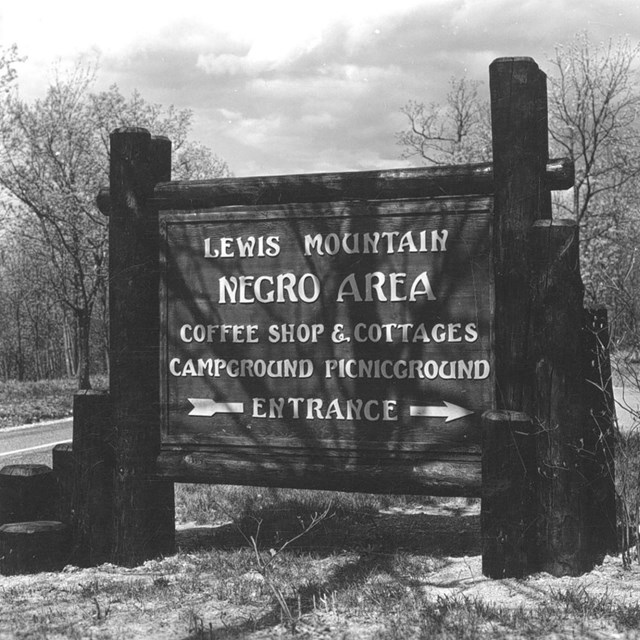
<point x="442" y="477"/>
<point x="324" y="187"/>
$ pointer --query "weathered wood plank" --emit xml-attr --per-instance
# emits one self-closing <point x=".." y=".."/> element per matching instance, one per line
<point x="434" y="477"/>
<point x="322" y="187"/>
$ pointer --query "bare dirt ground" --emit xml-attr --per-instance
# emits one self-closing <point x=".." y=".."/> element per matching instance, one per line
<point x="210" y="589"/>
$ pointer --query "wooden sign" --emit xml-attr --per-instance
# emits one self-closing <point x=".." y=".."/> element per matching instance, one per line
<point x="356" y="326"/>
<point x="337" y="331"/>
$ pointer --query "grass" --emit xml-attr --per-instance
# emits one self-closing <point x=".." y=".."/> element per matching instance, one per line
<point x="217" y="504"/>
<point x="28" y="402"/>
<point x="470" y="618"/>
<point x="217" y="593"/>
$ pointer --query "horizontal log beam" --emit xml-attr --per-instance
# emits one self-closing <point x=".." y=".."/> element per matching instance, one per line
<point x="470" y="179"/>
<point x="454" y="477"/>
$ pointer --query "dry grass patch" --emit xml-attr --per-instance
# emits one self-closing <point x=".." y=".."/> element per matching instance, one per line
<point x="28" y="402"/>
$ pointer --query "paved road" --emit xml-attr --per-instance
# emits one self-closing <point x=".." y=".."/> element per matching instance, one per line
<point x="627" y="407"/>
<point x="33" y="443"/>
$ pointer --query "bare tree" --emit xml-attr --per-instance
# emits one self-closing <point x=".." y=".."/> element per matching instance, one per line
<point x="53" y="160"/>
<point x="195" y="161"/>
<point x="190" y="160"/>
<point x="49" y="166"/>
<point x="31" y="322"/>
<point x="458" y="131"/>
<point x="594" y="103"/>
<point x="8" y="59"/>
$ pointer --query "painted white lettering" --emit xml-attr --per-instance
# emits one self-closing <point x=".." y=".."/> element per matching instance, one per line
<point x="249" y="247"/>
<point x="422" y="241"/>
<point x="295" y="332"/>
<point x="318" y="409"/>
<point x="407" y="369"/>
<point x="284" y="287"/>
<point x="421" y="287"/>
<point x="439" y="240"/>
<point x="378" y="286"/>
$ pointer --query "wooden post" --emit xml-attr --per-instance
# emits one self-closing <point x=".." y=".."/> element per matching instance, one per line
<point x="27" y="492"/>
<point x="143" y="506"/>
<point x="92" y="495"/>
<point x="31" y="547"/>
<point x="559" y="403"/>
<point x="600" y="432"/>
<point x="64" y="469"/>
<point x="508" y="514"/>
<point x="521" y="196"/>
<point x="520" y="153"/>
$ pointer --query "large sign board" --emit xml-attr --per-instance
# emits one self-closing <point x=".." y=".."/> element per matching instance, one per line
<point x="357" y="325"/>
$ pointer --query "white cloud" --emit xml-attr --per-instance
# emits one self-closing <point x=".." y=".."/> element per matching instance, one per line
<point x="258" y="132"/>
<point x="231" y="64"/>
<point x="286" y="86"/>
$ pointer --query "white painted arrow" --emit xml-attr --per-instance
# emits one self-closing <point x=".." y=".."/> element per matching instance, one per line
<point x="206" y="407"/>
<point x="449" y="411"/>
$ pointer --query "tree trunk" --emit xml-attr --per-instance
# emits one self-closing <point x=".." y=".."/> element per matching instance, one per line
<point x="69" y="359"/>
<point x="37" y="350"/>
<point x="84" y="348"/>
<point x="20" y="353"/>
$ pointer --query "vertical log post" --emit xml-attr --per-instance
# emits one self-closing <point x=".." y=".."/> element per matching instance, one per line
<point x="27" y="492"/>
<point x="92" y="496"/>
<point x="34" y="546"/>
<point x="508" y="495"/>
<point x="143" y="506"/>
<point x="559" y="403"/>
<point x="520" y="153"/>
<point x="64" y="469"/>
<point x="600" y="438"/>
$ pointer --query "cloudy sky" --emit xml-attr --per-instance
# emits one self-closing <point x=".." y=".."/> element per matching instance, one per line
<point x="288" y="87"/>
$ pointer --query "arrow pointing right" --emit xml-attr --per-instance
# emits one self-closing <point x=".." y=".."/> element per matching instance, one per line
<point x="207" y="408"/>
<point x="450" y="411"/>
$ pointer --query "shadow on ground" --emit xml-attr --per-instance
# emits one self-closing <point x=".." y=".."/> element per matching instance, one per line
<point x="420" y="533"/>
<point x="373" y="537"/>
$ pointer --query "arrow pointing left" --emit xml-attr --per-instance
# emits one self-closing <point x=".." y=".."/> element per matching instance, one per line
<point x="207" y="408"/>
